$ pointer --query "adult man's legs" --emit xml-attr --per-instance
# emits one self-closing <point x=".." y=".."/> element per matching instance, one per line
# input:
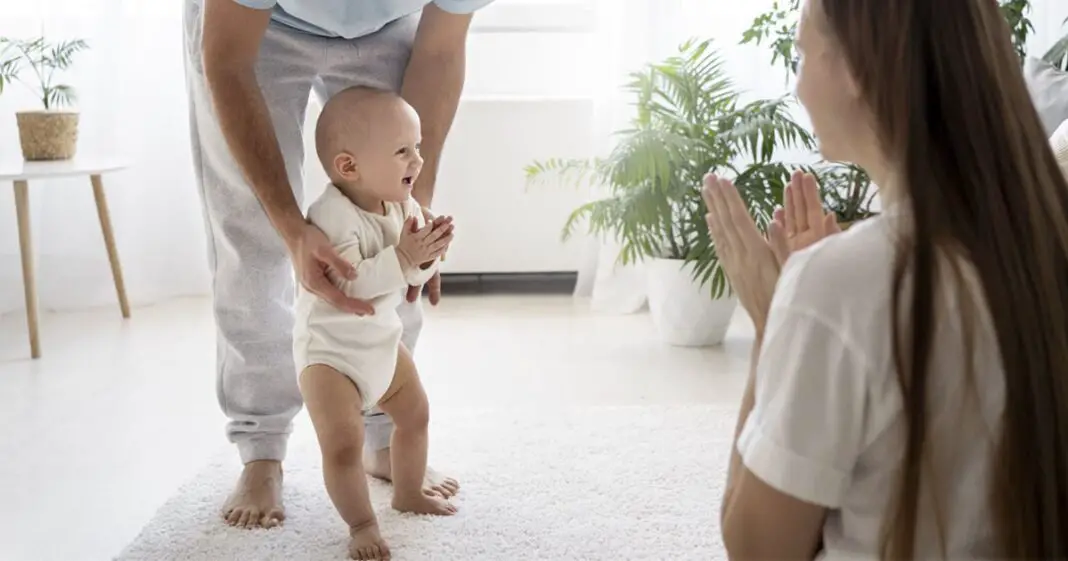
<point x="253" y="281"/>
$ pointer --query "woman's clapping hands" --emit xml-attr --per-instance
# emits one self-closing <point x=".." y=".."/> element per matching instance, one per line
<point x="752" y="262"/>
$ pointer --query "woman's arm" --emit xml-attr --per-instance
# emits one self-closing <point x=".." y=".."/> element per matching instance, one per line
<point x="800" y="424"/>
<point x="758" y="521"/>
<point x="748" y="398"/>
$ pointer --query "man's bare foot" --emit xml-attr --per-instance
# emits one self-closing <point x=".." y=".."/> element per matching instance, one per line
<point x="425" y="502"/>
<point x="257" y="499"/>
<point x="367" y="544"/>
<point x="377" y="465"/>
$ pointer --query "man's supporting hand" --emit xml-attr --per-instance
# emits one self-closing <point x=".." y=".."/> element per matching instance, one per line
<point x="315" y="261"/>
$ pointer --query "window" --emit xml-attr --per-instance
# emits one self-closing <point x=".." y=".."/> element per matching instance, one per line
<point x="532" y="48"/>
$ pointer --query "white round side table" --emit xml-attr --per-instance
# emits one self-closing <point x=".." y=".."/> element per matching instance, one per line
<point x="21" y="173"/>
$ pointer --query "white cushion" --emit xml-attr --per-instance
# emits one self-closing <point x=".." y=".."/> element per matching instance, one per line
<point x="1059" y="142"/>
<point x="1048" y="87"/>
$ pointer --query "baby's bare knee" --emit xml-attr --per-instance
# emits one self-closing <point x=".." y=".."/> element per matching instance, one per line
<point x="343" y="447"/>
<point x="420" y="415"/>
<point x="413" y="411"/>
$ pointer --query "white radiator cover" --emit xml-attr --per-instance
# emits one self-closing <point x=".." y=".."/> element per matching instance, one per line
<point x="502" y="225"/>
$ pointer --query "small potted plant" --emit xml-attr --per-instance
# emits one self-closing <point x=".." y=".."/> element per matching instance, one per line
<point x="49" y="133"/>
<point x="689" y="121"/>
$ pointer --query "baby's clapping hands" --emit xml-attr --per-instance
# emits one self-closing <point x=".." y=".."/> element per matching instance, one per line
<point x="419" y="247"/>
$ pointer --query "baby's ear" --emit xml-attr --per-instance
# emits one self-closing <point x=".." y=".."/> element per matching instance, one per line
<point x="345" y="166"/>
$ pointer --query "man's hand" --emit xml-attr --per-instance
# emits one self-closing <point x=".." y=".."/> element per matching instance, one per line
<point x="315" y="260"/>
<point x="434" y="284"/>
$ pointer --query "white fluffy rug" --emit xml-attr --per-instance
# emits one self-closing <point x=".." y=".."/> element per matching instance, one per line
<point x="591" y="483"/>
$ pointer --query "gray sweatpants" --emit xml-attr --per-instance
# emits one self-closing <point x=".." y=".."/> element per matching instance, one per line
<point x="253" y="280"/>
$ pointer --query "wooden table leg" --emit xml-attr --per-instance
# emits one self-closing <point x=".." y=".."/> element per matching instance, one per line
<point x="109" y="241"/>
<point x="29" y="283"/>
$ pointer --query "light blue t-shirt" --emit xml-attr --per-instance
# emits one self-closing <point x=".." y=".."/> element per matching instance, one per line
<point x="351" y="18"/>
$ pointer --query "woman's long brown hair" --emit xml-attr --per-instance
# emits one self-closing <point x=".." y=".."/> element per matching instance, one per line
<point x="980" y="180"/>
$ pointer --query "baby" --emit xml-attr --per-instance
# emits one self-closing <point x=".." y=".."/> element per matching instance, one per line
<point x="368" y="142"/>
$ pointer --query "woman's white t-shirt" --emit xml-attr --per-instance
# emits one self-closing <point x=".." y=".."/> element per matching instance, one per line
<point x="828" y="418"/>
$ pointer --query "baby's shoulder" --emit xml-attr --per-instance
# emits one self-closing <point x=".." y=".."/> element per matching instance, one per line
<point x="337" y="217"/>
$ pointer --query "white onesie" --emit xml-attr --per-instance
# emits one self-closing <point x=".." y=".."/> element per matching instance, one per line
<point x="362" y="348"/>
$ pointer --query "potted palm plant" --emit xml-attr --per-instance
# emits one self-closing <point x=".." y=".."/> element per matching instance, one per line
<point x="846" y="188"/>
<point x="689" y="121"/>
<point x="49" y="133"/>
<point x="847" y="191"/>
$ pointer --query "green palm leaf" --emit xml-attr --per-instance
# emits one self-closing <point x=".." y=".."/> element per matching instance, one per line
<point x="44" y="59"/>
<point x="1057" y="55"/>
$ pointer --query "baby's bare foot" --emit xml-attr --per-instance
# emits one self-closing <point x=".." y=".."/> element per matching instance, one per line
<point x="377" y="465"/>
<point x="367" y="544"/>
<point x="423" y="502"/>
<point x="257" y="499"/>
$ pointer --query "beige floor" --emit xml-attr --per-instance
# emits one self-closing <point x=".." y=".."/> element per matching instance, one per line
<point x="96" y="434"/>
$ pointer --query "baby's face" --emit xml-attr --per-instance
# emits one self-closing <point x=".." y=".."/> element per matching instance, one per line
<point x="389" y="161"/>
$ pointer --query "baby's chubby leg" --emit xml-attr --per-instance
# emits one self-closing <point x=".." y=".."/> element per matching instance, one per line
<point x="333" y="404"/>
<point x="406" y="403"/>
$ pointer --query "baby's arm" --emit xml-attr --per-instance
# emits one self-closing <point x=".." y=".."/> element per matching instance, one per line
<point x="375" y="276"/>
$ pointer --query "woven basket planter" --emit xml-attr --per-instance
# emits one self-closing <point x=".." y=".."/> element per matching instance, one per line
<point x="48" y="135"/>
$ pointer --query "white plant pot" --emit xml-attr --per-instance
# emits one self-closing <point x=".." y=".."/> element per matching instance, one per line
<point x="683" y="311"/>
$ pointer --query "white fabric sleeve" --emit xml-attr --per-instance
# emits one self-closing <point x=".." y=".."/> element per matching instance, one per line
<point x="419" y="277"/>
<point x="806" y="428"/>
<point x="376" y="276"/>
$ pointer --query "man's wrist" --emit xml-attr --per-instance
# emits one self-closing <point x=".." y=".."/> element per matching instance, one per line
<point x="423" y="191"/>
<point x="290" y="227"/>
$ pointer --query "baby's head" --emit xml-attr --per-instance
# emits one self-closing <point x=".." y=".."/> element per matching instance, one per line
<point x="368" y="143"/>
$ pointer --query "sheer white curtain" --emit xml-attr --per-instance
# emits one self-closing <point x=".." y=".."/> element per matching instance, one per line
<point x="1048" y="17"/>
<point x="133" y="104"/>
